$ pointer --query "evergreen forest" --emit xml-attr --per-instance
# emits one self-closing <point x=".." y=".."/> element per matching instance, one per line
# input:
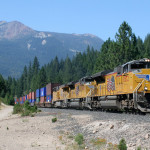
<point x="124" y="48"/>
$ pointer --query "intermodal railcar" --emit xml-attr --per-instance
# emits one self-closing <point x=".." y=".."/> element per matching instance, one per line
<point x="127" y="88"/>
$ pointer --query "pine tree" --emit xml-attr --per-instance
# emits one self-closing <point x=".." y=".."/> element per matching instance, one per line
<point x="29" y="76"/>
<point x="2" y="86"/>
<point x="147" y="46"/>
<point x="25" y="79"/>
<point x="35" y="66"/>
<point x="42" y="78"/>
<point x="67" y="72"/>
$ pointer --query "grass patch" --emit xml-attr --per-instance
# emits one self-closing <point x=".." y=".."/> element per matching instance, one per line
<point x="139" y="148"/>
<point x="70" y="136"/>
<point x="122" y="145"/>
<point x="54" y="120"/>
<point x="98" y="141"/>
<point x="112" y="146"/>
<point x="79" y="138"/>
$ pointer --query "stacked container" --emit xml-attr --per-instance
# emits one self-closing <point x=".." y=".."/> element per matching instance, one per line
<point x="17" y="100"/>
<point x="33" y="97"/>
<point x="26" y="97"/>
<point x="37" y="95"/>
<point x="20" y="99"/>
<point x="30" y="97"/>
<point x="49" y="91"/>
<point x="42" y="95"/>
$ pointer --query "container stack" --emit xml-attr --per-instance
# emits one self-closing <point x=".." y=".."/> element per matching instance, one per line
<point x="26" y="97"/>
<point x="33" y="97"/>
<point x="42" y="96"/>
<point x="17" y="100"/>
<point x="20" y="100"/>
<point x="49" y="91"/>
<point x="30" y="97"/>
<point x="37" y="96"/>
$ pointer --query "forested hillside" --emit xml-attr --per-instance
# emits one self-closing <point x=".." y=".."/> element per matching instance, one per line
<point x="124" y="48"/>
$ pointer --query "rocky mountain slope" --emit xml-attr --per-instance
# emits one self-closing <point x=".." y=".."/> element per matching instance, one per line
<point x="19" y="44"/>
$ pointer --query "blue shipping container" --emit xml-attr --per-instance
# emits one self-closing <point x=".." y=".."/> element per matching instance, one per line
<point x="38" y="93"/>
<point x="33" y="100"/>
<point x="43" y="92"/>
<point x="49" y="98"/>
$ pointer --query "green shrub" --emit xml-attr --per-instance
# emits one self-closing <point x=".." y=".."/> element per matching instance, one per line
<point x="139" y="148"/>
<point x="17" y="109"/>
<point x="79" y="139"/>
<point x="26" y="113"/>
<point x="54" y="120"/>
<point x="39" y="110"/>
<point x="32" y="115"/>
<point x="34" y="109"/>
<point x="25" y="109"/>
<point x="26" y="105"/>
<point x="122" y="145"/>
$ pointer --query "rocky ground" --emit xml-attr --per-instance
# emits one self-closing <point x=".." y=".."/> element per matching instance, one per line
<point x="101" y="130"/>
<point x="107" y="127"/>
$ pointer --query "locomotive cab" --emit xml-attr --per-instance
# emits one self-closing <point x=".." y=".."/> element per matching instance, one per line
<point x="136" y="65"/>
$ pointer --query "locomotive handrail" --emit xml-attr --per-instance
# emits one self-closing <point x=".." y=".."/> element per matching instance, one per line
<point x="89" y="93"/>
<point x="136" y="90"/>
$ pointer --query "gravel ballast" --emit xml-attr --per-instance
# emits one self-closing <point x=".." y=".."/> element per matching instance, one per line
<point x="135" y="129"/>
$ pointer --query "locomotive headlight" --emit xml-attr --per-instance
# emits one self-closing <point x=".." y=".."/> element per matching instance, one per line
<point x="145" y="88"/>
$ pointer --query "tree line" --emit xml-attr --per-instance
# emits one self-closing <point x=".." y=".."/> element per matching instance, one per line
<point x="124" y="48"/>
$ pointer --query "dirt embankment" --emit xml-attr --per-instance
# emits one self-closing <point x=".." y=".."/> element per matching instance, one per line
<point x="27" y="133"/>
<point x="5" y="111"/>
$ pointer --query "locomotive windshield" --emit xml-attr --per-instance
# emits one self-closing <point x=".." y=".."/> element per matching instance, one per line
<point x="140" y="65"/>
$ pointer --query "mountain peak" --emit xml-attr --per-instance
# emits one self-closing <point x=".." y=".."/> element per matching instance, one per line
<point x="13" y="30"/>
<point x="2" y="22"/>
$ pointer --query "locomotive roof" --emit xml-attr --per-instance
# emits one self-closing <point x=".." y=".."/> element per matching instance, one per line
<point x="136" y="61"/>
<point x="102" y="73"/>
<point x="71" y="83"/>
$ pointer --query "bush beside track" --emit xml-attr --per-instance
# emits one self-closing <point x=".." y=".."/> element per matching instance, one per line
<point x="25" y="109"/>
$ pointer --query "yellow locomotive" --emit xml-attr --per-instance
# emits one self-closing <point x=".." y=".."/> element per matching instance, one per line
<point x="127" y="87"/>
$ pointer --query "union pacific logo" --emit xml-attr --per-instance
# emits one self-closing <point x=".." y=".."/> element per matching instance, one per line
<point x="144" y="76"/>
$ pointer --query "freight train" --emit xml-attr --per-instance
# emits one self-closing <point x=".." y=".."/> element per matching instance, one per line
<point x="125" y="88"/>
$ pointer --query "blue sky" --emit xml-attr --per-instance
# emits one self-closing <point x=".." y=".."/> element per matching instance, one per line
<point x="98" y="17"/>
